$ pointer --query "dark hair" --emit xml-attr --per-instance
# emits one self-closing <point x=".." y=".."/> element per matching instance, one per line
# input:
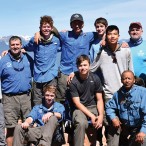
<point x="139" y="81"/>
<point x="15" y="38"/>
<point x="101" y="20"/>
<point x="126" y="71"/>
<point x="111" y="28"/>
<point x="82" y="58"/>
<point x="46" y="19"/>
<point x="49" y="88"/>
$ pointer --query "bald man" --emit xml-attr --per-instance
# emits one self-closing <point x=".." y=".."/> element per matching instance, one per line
<point x="127" y="111"/>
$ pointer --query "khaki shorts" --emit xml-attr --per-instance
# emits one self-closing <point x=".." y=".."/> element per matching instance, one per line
<point x="15" y="107"/>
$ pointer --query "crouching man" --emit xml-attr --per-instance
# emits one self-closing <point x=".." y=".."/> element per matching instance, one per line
<point x="47" y="117"/>
<point x="86" y="92"/>
<point x="127" y="111"/>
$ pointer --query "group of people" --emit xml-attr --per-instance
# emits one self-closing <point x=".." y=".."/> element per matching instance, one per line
<point x="96" y="68"/>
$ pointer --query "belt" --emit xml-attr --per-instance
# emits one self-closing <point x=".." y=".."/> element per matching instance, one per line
<point x="15" y="94"/>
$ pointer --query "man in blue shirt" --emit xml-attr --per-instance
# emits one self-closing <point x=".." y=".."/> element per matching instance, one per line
<point x="45" y="57"/>
<point x="138" y="49"/>
<point x="127" y="111"/>
<point x="74" y="44"/>
<point x="46" y="115"/>
<point x="16" y="76"/>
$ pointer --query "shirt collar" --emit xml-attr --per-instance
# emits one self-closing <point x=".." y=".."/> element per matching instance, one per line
<point x="76" y="34"/>
<point x="13" y="59"/>
<point x="128" y="93"/>
<point x="136" y="42"/>
<point x="43" y="107"/>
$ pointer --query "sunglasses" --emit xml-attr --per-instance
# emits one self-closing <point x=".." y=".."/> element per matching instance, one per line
<point x="114" y="58"/>
<point x="18" y="66"/>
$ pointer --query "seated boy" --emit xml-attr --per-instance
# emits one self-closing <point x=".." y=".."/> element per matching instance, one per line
<point x="47" y="117"/>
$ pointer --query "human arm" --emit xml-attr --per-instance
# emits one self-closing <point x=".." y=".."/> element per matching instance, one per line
<point x="100" y="108"/>
<point x="80" y="106"/>
<point x="142" y="132"/>
<point x="5" y="52"/>
<point x="140" y="137"/>
<point x="70" y="77"/>
<point x="111" y="108"/>
<point x="130" y="62"/>
<point x="30" y="46"/>
<point x="96" y="63"/>
<point x="37" y="36"/>
<point x="27" y="123"/>
<point x="47" y="116"/>
<point x="124" y="45"/>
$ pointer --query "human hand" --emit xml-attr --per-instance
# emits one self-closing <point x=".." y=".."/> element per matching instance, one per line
<point x="70" y="77"/>
<point x="124" y="45"/>
<point x="116" y="123"/>
<point x="93" y="120"/>
<point x="23" y="51"/>
<point x="25" y="125"/>
<point x="102" y="43"/>
<point x="4" y="53"/>
<point x="140" y="137"/>
<point x="99" y="121"/>
<point x="46" y="117"/>
<point x="37" y="37"/>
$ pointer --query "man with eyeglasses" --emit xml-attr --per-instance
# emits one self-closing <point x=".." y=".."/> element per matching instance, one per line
<point x="112" y="61"/>
<point x="16" y="75"/>
<point x="127" y="111"/>
<point x="46" y="116"/>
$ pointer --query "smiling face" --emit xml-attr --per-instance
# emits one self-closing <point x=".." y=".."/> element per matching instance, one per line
<point x="135" y="32"/>
<point x="46" y="29"/>
<point x="15" y="47"/>
<point x="128" y="79"/>
<point x="49" y="97"/>
<point x="77" y="26"/>
<point x="100" y="29"/>
<point x="112" y="37"/>
<point x="84" y="68"/>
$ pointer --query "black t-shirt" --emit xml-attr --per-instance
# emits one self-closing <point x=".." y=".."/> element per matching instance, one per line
<point x="86" y="89"/>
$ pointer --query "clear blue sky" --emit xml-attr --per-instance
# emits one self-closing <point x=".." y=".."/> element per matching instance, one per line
<point x="21" y="17"/>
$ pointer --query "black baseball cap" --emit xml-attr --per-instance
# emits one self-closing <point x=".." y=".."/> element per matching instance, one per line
<point x="76" y="17"/>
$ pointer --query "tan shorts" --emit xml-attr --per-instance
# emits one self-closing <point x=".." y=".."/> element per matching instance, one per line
<point x="15" y="107"/>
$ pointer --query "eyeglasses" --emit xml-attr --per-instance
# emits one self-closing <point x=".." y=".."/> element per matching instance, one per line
<point x="114" y="58"/>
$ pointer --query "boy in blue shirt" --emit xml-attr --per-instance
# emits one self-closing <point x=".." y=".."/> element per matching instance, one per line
<point x="46" y="116"/>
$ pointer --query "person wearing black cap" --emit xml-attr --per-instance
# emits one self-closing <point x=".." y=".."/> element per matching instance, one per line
<point x="74" y="43"/>
<point x="137" y="45"/>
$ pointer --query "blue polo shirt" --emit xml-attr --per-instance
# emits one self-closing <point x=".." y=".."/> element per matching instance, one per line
<point x="39" y="110"/>
<point x="139" y="58"/>
<point x="45" y="59"/>
<point x="73" y="46"/>
<point x="95" y="49"/>
<point x="16" y="75"/>
<point x="130" y="106"/>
